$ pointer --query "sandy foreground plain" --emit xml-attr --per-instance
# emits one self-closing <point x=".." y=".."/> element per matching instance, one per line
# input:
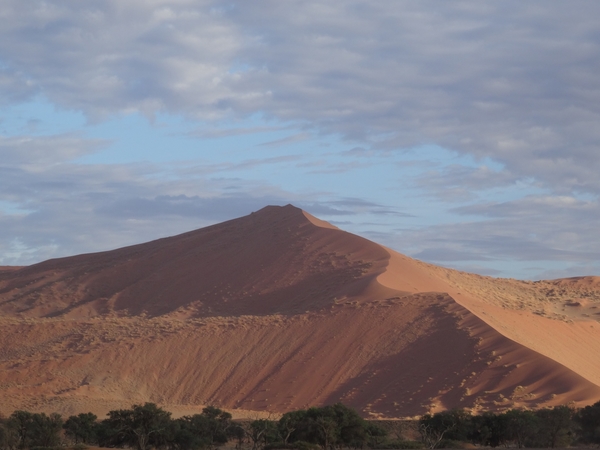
<point x="278" y="311"/>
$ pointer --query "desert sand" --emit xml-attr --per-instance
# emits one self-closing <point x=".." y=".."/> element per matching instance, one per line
<point x="279" y="310"/>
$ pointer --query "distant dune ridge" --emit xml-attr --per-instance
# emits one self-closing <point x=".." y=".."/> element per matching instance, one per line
<point x="279" y="310"/>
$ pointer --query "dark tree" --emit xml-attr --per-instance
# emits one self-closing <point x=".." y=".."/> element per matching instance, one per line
<point x="288" y="424"/>
<point x="182" y="437"/>
<point x="217" y="424"/>
<point x="262" y="432"/>
<point x="206" y="430"/>
<point x="108" y="436"/>
<point x="21" y="422"/>
<point x="142" y="427"/>
<point x="463" y="425"/>
<point x="433" y="428"/>
<point x="353" y="429"/>
<point x="9" y="440"/>
<point x="330" y="427"/>
<point x="588" y="419"/>
<point x="555" y="427"/>
<point x="237" y="432"/>
<point x="46" y="430"/>
<point x="490" y="429"/>
<point x="375" y="434"/>
<point x="522" y="426"/>
<point x="81" y="428"/>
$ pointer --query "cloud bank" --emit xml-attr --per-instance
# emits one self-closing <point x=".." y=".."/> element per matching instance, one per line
<point x="512" y="83"/>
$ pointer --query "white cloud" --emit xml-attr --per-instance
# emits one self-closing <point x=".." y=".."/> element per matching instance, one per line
<point x="512" y="81"/>
<point x="40" y="151"/>
<point x="108" y="57"/>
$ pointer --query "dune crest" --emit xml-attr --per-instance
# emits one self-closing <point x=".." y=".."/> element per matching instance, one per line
<point x="279" y="310"/>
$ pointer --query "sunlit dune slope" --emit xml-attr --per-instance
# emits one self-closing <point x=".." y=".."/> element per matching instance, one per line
<point x="557" y="318"/>
<point x="279" y="310"/>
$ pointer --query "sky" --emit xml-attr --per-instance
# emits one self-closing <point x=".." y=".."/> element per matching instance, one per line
<point x="463" y="133"/>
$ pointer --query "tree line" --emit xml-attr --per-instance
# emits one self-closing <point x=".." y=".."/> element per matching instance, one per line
<point x="145" y="427"/>
<point x="560" y="426"/>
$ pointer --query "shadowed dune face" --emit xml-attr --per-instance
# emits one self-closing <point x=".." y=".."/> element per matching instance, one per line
<point x="9" y="268"/>
<point x="277" y="311"/>
<point x="272" y="261"/>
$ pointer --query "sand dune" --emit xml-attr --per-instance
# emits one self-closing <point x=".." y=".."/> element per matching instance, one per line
<point x="279" y="310"/>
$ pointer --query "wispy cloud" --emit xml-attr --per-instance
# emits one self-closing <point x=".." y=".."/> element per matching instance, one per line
<point x="456" y="182"/>
<point x="44" y="150"/>
<point x="215" y="133"/>
<point x="299" y="137"/>
<point x="197" y="168"/>
<point x="349" y="206"/>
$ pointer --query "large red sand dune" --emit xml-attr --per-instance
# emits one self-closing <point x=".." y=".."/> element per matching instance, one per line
<point x="279" y="310"/>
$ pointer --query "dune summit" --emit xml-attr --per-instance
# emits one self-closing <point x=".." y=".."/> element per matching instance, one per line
<point x="278" y="310"/>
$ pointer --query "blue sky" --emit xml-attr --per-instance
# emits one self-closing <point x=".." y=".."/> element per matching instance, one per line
<point x="461" y="133"/>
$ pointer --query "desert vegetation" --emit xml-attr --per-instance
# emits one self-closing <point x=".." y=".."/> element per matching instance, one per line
<point x="145" y="427"/>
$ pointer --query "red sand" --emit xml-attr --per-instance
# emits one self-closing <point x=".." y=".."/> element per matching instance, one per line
<point x="279" y="310"/>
